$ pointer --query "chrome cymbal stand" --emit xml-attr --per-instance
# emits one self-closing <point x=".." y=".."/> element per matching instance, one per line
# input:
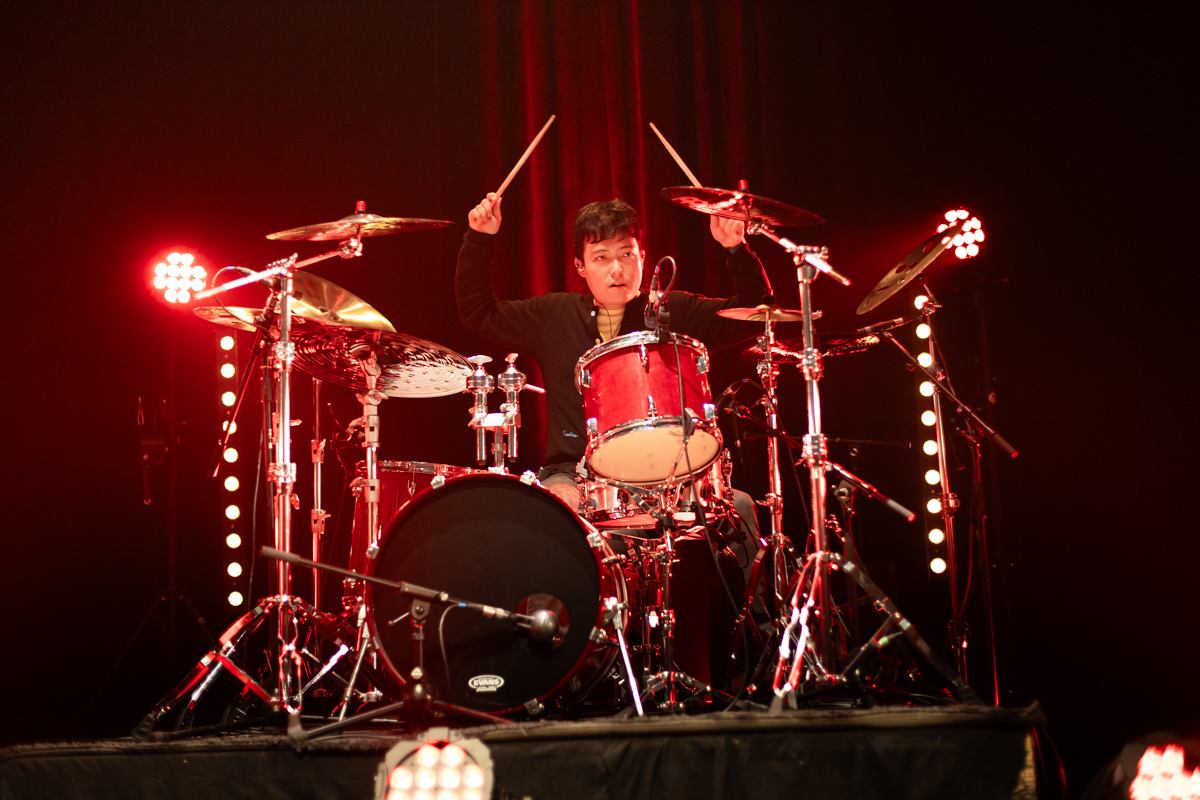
<point x="810" y="261"/>
<point x="282" y="471"/>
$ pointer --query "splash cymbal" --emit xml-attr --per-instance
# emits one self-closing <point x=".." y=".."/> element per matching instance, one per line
<point x="410" y="367"/>
<point x="909" y="267"/>
<point x="736" y="204"/>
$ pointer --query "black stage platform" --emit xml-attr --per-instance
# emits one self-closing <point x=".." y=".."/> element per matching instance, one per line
<point x="933" y="752"/>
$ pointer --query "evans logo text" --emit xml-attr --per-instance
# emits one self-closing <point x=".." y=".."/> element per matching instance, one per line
<point x="485" y="683"/>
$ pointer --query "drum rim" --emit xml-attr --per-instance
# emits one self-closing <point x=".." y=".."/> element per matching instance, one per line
<point x="631" y="340"/>
<point x="707" y="426"/>
<point x="615" y="576"/>
<point x="419" y="467"/>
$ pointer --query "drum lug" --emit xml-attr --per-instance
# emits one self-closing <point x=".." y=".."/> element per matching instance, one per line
<point x="595" y="540"/>
<point x="645" y="359"/>
<point x="585" y="378"/>
<point x="651" y="409"/>
<point x="438" y="481"/>
<point x="702" y="364"/>
<point x="592" y="427"/>
<point x="528" y="477"/>
<point x="533" y="707"/>
<point x="598" y="636"/>
<point x="710" y="412"/>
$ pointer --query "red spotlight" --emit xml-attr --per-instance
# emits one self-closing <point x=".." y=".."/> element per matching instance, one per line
<point x="177" y="276"/>
<point x="965" y="244"/>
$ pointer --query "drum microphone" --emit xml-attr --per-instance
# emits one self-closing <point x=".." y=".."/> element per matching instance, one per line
<point x="542" y="625"/>
<point x="880" y="327"/>
<point x="271" y="282"/>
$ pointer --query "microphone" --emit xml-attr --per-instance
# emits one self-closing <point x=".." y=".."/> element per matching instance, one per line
<point x="271" y="282"/>
<point x="880" y="327"/>
<point x="650" y="316"/>
<point x="542" y="625"/>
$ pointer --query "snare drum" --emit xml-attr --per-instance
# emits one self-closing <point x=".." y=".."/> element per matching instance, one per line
<point x="635" y="410"/>
<point x="610" y="506"/>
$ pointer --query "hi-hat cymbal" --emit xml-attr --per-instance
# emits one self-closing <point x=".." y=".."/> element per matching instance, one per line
<point x="791" y="351"/>
<point x="314" y="300"/>
<point x="356" y="226"/>
<point x="762" y="313"/>
<point x="736" y="204"/>
<point x="910" y="267"/>
<point x="410" y="367"/>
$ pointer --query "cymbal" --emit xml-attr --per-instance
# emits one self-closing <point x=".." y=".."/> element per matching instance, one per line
<point x="411" y="367"/>
<point x="761" y="313"/>
<point x="910" y="267"/>
<point x="315" y="301"/>
<point x="791" y="351"/>
<point x="356" y="226"/>
<point x="735" y="204"/>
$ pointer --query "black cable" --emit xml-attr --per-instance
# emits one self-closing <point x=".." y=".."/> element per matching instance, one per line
<point x="442" y="646"/>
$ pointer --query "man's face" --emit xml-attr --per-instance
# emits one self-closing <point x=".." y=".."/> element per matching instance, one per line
<point x="612" y="269"/>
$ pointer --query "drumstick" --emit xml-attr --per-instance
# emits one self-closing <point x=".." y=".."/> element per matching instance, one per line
<point x="675" y="156"/>
<point x="528" y="150"/>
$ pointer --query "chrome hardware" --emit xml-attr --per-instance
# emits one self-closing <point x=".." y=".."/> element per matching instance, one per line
<point x="585" y="378"/>
<point x="702" y="364"/>
<point x="651" y="409"/>
<point x="710" y="412"/>
<point x="642" y="355"/>
<point x="533" y="707"/>
<point x="593" y="427"/>
<point x="528" y="477"/>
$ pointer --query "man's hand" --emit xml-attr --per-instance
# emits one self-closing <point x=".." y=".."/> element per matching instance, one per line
<point x="485" y="217"/>
<point x="728" y="232"/>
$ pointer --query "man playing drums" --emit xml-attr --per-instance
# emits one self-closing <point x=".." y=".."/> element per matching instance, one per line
<point x="557" y="329"/>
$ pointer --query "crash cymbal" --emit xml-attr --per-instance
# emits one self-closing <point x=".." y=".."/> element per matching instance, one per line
<point x="899" y="276"/>
<point x="410" y="367"/>
<point x="760" y="314"/>
<point x="791" y="351"/>
<point x="319" y="300"/>
<point x="356" y="226"/>
<point x="314" y="301"/>
<point x="736" y="204"/>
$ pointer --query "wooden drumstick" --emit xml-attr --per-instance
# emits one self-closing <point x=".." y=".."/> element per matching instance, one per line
<point x="524" y="157"/>
<point x="675" y="156"/>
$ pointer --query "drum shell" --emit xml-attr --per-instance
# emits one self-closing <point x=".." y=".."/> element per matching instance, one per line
<point x="399" y="482"/>
<point x="631" y="399"/>
<point x="492" y="539"/>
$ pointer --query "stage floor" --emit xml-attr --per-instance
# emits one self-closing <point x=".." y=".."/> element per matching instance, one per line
<point x="893" y="752"/>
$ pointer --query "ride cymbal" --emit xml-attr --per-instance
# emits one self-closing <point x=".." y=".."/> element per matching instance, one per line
<point x="356" y="226"/>
<point x="736" y="204"/>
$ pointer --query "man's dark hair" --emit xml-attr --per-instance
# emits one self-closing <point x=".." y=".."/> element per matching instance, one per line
<point x="596" y="222"/>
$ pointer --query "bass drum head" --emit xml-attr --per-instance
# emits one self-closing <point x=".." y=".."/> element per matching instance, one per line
<point x="494" y="540"/>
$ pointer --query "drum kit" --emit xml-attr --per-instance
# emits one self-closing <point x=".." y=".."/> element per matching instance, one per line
<point x="559" y="608"/>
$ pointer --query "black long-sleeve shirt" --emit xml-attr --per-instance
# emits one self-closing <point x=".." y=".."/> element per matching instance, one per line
<point x="556" y="329"/>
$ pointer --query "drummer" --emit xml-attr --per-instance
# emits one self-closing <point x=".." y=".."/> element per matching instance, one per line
<point x="556" y="329"/>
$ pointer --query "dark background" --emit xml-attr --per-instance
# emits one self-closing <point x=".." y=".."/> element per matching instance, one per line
<point x="134" y="129"/>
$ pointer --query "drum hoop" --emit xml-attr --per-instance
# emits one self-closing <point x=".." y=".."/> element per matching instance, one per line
<point x="633" y="340"/>
<point x="604" y="566"/>
<point x="422" y="467"/>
